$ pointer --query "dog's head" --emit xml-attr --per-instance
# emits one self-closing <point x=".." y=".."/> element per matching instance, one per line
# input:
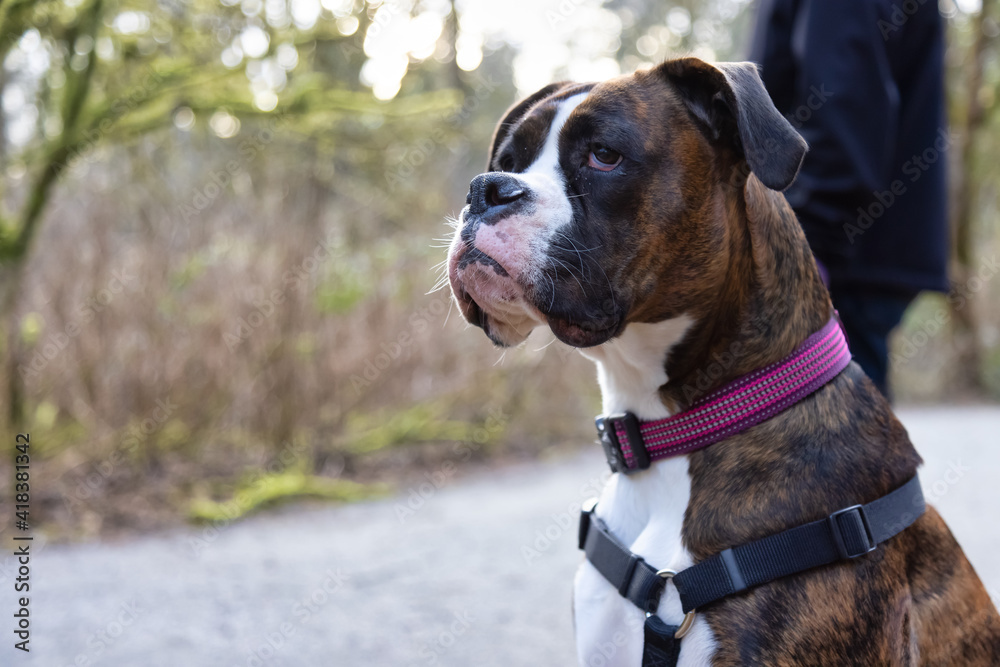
<point x="602" y="202"/>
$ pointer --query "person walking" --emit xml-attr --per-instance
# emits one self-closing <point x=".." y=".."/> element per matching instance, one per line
<point x="863" y="82"/>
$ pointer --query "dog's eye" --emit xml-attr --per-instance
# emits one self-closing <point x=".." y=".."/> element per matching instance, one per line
<point x="506" y="163"/>
<point x="603" y="158"/>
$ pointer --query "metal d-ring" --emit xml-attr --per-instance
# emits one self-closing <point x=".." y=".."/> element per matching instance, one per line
<point x="688" y="621"/>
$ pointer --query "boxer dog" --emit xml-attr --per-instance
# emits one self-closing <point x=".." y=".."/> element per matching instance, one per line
<point x="640" y="219"/>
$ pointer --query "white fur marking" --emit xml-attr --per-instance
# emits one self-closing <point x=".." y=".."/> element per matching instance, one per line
<point x="547" y="161"/>
<point x="631" y="368"/>
<point x="523" y="240"/>
<point x="644" y="510"/>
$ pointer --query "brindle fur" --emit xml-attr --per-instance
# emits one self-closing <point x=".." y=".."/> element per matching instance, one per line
<point x="916" y="600"/>
<point x="685" y="229"/>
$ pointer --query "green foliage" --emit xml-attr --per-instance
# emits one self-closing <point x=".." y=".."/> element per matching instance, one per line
<point x="991" y="372"/>
<point x="191" y="270"/>
<point x="278" y="488"/>
<point x="32" y="327"/>
<point x="340" y="294"/>
<point x="367" y="432"/>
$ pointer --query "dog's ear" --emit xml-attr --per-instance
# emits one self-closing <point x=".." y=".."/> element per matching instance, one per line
<point x="730" y="101"/>
<point x="516" y="113"/>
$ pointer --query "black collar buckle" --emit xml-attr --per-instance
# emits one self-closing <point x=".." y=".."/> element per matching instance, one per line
<point x="851" y="532"/>
<point x="607" y="434"/>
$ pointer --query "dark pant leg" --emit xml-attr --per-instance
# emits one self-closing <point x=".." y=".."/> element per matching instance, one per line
<point x="869" y="315"/>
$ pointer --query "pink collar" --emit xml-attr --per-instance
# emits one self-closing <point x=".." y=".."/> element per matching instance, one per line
<point x="631" y="445"/>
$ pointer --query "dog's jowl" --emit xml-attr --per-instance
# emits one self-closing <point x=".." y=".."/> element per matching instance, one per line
<point x="641" y="220"/>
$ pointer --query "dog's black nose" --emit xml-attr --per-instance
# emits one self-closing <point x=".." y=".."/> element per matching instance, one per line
<point x="494" y="195"/>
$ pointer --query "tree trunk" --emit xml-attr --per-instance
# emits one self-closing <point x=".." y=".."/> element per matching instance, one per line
<point x="14" y="253"/>
<point x="966" y="193"/>
<point x="10" y="339"/>
<point x="454" y="71"/>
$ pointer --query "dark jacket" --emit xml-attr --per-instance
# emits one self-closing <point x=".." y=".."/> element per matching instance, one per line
<point x="862" y="80"/>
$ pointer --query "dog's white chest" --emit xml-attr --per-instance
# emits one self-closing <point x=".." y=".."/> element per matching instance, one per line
<point x="645" y="510"/>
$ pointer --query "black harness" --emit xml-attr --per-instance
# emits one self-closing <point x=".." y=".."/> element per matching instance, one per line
<point x="844" y="535"/>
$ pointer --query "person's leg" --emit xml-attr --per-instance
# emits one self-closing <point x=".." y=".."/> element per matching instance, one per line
<point x="869" y="315"/>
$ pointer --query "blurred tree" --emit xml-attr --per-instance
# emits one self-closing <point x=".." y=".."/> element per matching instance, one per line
<point x="973" y="103"/>
<point x="90" y="73"/>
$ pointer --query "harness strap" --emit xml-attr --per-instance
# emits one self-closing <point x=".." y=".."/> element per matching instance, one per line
<point x="661" y="647"/>
<point x="846" y="534"/>
<point x="635" y="579"/>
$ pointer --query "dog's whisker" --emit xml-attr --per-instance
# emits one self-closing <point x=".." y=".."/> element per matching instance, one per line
<point x="573" y="242"/>
<point x="614" y="302"/>
<point x="546" y="346"/>
<point x="451" y="305"/>
<point x="578" y="250"/>
<point x="578" y="253"/>
<point x="438" y="286"/>
<point x="569" y="270"/>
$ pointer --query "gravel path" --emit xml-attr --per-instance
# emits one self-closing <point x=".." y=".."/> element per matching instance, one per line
<point x="476" y="572"/>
